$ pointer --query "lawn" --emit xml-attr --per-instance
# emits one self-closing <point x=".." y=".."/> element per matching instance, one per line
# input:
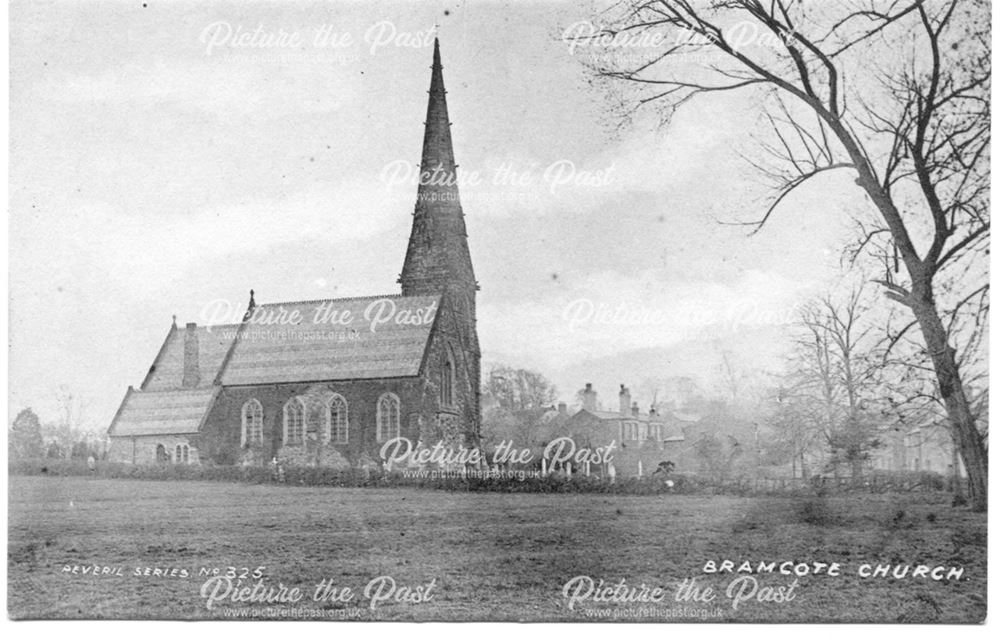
<point x="490" y="556"/>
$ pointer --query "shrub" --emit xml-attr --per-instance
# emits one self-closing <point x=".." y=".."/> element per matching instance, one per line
<point x="814" y="511"/>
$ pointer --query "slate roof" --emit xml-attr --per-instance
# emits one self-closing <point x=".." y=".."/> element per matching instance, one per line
<point x="381" y="337"/>
<point x="162" y="412"/>
<point x="321" y="340"/>
<point x="168" y="368"/>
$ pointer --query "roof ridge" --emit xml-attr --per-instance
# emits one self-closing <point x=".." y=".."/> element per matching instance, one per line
<point x="175" y="390"/>
<point x="346" y="298"/>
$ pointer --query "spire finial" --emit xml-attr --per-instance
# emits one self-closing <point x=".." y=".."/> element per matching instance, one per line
<point x="250" y="308"/>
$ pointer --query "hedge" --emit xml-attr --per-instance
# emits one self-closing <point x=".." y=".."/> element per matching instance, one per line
<point x="530" y="483"/>
<point x="320" y="476"/>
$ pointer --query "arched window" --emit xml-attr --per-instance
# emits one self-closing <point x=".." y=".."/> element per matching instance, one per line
<point x="336" y="419"/>
<point x="253" y="423"/>
<point x="295" y="422"/>
<point x="161" y="454"/>
<point x="181" y="453"/>
<point x="387" y="417"/>
<point x="448" y="378"/>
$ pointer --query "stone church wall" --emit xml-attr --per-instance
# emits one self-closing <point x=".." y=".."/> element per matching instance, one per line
<point x="222" y="432"/>
<point x="457" y="424"/>
<point x="141" y="450"/>
<point x="423" y="418"/>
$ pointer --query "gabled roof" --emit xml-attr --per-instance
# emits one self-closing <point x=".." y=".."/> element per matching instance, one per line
<point x="168" y="368"/>
<point x="162" y="412"/>
<point x="335" y="339"/>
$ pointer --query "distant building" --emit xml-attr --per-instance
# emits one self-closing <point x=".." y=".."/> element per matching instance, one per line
<point x="641" y="437"/>
<point x="922" y="449"/>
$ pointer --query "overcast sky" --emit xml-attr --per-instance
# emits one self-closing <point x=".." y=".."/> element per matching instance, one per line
<point x="156" y="168"/>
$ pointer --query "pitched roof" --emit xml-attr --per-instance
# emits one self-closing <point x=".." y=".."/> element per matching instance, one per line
<point x="336" y="339"/>
<point x="669" y="421"/>
<point x="618" y="416"/>
<point x="168" y="368"/>
<point x="668" y="417"/>
<point x="145" y="413"/>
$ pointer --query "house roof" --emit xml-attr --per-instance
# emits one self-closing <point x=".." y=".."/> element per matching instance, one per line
<point x="335" y="339"/>
<point x="667" y="417"/>
<point x="149" y="413"/>
<point x="617" y="416"/>
<point x="611" y="420"/>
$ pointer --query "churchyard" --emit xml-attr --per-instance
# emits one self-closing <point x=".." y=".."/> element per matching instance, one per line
<point x="116" y="548"/>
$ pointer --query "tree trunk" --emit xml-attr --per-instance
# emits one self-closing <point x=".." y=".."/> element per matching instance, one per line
<point x="857" y="464"/>
<point x="921" y="301"/>
<point x="963" y="423"/>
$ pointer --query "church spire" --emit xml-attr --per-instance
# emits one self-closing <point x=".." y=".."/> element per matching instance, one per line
<point x="437" y="258"/>
<point x="437" y="162"/>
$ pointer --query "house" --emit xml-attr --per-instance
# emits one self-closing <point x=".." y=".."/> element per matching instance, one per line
<point x="643" y="439"/>
<point x="328" y="382"/>
<point x="929" y="448"/>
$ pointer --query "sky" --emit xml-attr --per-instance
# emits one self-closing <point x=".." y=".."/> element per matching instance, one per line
<point x="167" y="157"/>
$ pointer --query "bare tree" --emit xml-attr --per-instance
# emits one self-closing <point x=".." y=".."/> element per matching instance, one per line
<point x="71" y="426"/>
<point x="912" y="398"/>
<point x="895" y="92"/>
<point x="836" y="379"/>
<point x="522" y="398"/>
<point x="519" y="389"/>
<point x="793" y="437"/>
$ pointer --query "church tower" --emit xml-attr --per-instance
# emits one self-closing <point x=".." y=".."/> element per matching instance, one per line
<point x="437" y="257"/>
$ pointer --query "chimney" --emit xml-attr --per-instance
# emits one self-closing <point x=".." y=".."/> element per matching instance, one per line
<point x="191" y="376"/>
<point x="635" y="409"/>
<point x="624" y="401"/>
<point x="589" y="398"/>
<point x="562" y="408"/>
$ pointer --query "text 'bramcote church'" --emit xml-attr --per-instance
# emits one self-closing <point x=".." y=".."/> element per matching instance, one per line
<point x="328" y="382"/>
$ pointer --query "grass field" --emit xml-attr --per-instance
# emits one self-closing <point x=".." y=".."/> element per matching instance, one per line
<point x="491" y="556"/>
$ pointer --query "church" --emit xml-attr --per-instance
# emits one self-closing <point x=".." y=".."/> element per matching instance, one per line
<point x="328" y="382"/>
